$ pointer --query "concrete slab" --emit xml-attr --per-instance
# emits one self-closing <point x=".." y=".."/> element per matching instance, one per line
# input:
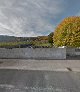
<point x="47" y="65"/>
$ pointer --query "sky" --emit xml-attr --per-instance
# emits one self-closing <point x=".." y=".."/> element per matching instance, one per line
<point x="25" y="18"/>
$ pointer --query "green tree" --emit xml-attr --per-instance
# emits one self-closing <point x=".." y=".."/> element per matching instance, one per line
<point x="68" y="32"/>
<point x="50" y="38"/>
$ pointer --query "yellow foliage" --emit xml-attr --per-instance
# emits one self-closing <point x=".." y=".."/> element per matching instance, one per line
<point x="67" y="32"/>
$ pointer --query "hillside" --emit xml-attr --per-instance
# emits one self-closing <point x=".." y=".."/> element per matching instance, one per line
<point x="21" y="42"/>
<point x="4" y="38"/>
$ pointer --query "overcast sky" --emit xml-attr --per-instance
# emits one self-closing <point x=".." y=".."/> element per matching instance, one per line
<point x="34" y="17"/>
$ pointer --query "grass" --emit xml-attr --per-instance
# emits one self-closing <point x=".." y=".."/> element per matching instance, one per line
<point x="12" y="44"/>
<point x="42" y="44"/>
<point x="17" y="44"/>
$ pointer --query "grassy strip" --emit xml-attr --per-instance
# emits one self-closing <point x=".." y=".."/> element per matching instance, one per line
<point x="17" y="44"/>
<point x="13" y="44"/>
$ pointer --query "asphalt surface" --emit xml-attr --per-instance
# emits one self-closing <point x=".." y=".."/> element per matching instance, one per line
<point x="38" y="81"/>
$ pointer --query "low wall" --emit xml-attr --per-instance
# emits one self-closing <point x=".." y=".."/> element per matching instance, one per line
<point x="33" y="53"/>
<point x="73" y="51"/>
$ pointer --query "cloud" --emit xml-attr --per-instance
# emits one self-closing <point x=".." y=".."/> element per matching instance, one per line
<point x="28" y="17"/>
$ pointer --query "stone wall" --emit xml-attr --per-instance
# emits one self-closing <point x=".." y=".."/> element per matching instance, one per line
<point x="33" y="53"/>
<point x="73" y="51"/>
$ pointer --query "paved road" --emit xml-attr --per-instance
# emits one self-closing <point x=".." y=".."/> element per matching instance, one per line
<point x="38" y="81"/>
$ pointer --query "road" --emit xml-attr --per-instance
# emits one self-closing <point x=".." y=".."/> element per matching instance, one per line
<point x="38" y="81"/>
<point x="39" y="75"/>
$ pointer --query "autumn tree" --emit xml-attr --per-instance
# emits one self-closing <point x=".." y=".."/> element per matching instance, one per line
<point x="68" y="32"/>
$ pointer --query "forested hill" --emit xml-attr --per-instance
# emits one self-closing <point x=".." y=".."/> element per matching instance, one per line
<point x="4" y="38"/>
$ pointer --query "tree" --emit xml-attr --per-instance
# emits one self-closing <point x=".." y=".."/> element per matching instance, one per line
<point x="50" y="38"/>
<point x="68" y="32"/>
